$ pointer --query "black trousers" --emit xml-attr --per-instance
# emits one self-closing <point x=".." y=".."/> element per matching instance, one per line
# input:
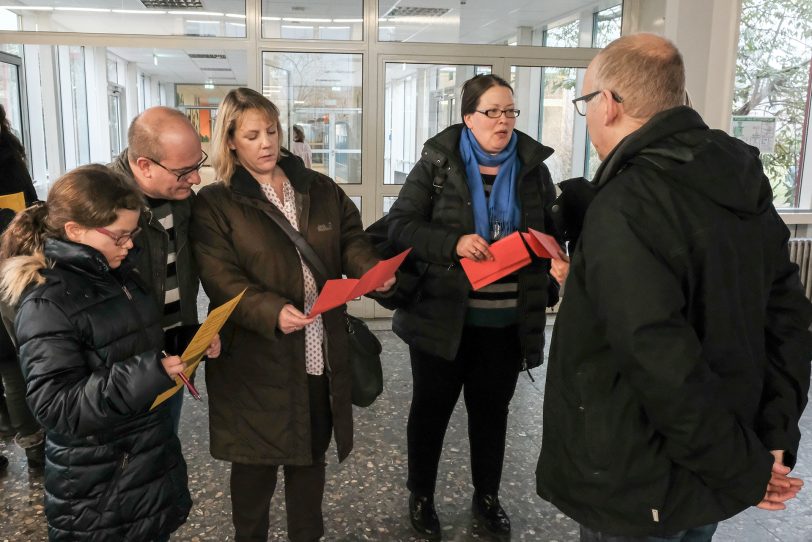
<point x="486" y="370"/>
<point x="22" y="420"/>
<point x="252" y="486"/>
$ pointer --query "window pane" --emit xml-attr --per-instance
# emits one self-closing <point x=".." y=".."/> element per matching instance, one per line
<point x="212" y="18"/>
<point x="388" y="201"/>
<point x="509" y="22"/>
<point x="88" y="120"/>
<point x="357" y="200"/>
<point x="772" y="81"/>
<point x="607" y="26"/>
<point x="318" y="20"/>
<point x="322" y="94"/>
<point x="544" y="96"/>
<point x="420" y="101"/>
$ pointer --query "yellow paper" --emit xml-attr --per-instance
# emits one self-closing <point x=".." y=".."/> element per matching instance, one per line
<point x="15" y="202"/>
<point x="193" y="354"/>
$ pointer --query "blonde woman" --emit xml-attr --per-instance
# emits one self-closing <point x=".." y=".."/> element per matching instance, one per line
<point x="282" y="387"/>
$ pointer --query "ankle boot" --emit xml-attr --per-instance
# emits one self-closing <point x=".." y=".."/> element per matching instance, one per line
<point x="490" y="513"/>
<point x="423" y="517"/>
<point x="34" y="447"/>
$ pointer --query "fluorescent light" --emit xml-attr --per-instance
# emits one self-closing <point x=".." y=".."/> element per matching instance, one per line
<point x="235" y="15"/>
<point x="272" y="18"/>
<point x="382" y="19"/>
<point x="208" y="86"/>
<point x="201" y="22"/>
<point x="297" y="27"/>
<point x="95" y="10"/>
<point x="335" y="89"/>
<point x="448" y="69"/>
<point x="196" y="13"/>
<point x="386" y="28"/>
<point x="28" y="8"/>
<point x="348" y="20"/>
<point x="236" y="24"/>
<point x="305" y="20"/>
<point x="335" y="27"/>
<point x="139" y="12"/>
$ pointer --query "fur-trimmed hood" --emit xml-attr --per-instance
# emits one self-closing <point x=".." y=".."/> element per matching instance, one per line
<point x="19" y="273"/>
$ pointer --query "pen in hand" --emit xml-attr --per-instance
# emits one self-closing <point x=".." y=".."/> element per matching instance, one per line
<point x="186" y="381"/>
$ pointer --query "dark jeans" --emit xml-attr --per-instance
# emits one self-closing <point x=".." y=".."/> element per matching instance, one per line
<point x="697" y="534"/>
<point x="22" y="420"/>
<point x="252" y="486"/>
<point x="175" y="405"/>
<point x="486" y="370"/>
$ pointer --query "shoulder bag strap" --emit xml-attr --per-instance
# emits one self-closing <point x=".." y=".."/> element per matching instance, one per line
<point x="308" y="254"/>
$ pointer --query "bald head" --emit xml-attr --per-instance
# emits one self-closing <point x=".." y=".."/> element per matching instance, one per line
<point x="646" y="70"/>
<point x="164" y="153"/>
<point x="154" y="130"/>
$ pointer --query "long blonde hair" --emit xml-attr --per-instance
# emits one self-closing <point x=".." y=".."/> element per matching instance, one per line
<point x="231" y="110"/>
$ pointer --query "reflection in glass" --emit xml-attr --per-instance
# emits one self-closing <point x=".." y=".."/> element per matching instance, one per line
<point x="321" y="92"/>
<point x="606" y="27"/>
<point x="546" y="94"/>
<point x="420" y="101"/>
<point x="508" y="22"/>
<point x="214" y="18"/>
<point x="305" y="21"/>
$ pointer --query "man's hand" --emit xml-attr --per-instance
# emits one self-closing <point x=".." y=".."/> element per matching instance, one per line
<point x="781" y="486"/>
<point x="560" y="268"/>
<point x="213" y="351"/>
<point x="172" y="365"/>
<point x="386" y="285"/>
<point x="291" y="319"/>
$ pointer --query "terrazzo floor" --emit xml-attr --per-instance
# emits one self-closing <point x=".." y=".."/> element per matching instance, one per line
<point x="366" y="498"/>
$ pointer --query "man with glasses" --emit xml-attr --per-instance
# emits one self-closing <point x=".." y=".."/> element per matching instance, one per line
<point x="680" y="359"/>
<point x="164" y="158"/>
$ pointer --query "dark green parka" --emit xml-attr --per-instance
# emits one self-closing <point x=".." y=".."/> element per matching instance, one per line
<point x="259" y="411"/>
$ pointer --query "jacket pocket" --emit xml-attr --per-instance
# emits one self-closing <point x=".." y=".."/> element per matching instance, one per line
<point x="596" y="421"/>
<point x="121" y="465"/>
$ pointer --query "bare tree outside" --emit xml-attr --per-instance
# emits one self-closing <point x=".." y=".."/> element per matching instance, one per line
<point x="772" y="80"/>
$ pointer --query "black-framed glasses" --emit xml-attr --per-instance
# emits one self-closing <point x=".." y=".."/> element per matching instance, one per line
<point x="580" y="103"/>
<point x="496" y="113"/>
<point x="119" y="240"/>
<point x="184" y="173"/>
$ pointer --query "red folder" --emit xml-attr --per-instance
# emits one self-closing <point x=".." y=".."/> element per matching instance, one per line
<point x="510" y="254"/>
<point x="336" y="292"/>
<point x="543" y="245"/>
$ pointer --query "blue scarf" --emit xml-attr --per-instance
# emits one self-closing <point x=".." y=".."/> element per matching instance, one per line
<point x="501" y="216"/>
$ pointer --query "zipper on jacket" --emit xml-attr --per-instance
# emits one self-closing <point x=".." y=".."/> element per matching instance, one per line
<point x="104" y="500"/>
<point x="127" y="293"/>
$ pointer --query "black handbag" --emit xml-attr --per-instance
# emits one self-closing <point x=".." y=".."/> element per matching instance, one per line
<point x="364" y="348"/>
<point x="365" y="360"/>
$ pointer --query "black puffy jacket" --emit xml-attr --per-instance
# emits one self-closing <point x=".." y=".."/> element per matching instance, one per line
<point x="90" y="341"/>
<point x="681" y="352"/>
<point x="432" y="224"/>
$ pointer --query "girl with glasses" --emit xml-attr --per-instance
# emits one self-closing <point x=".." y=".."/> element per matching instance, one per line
<point x="90" y="344"/>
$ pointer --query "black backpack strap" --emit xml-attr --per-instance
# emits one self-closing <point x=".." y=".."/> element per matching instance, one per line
<point x="308" y="254"/>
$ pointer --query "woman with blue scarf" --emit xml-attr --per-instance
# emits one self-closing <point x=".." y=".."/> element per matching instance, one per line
<point x="476" y="182"/>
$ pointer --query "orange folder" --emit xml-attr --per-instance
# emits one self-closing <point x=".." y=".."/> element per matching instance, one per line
<point x="336" y="292"/>
<point x="510" y="254"/>
<point x="543" y="245"/>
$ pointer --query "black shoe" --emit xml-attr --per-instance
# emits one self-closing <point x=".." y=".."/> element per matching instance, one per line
<point x="3" y="462"/>
<point x="423" y="517"/>
<point x="490" y="513"/>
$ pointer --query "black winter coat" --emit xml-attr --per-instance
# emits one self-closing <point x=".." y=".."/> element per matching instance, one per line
<point x="432" y="224"/>
<point x="151" y="246"/>
<point x="90" y="341"/>
<point x="681" y="352"/>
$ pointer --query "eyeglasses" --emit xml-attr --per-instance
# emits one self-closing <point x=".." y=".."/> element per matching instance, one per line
<point x="496" y="113"/>
<point x="182" y="174"/>
<point x="580" y="103"/>
<point x="119" y="240"/>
